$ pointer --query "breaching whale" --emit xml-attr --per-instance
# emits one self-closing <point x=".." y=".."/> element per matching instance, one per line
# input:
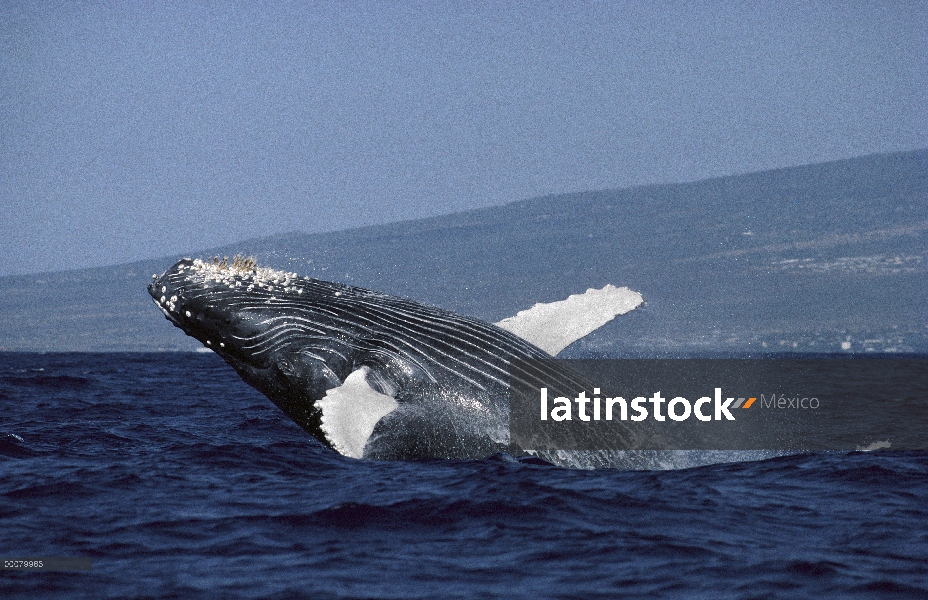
<point x="368" y="374"/>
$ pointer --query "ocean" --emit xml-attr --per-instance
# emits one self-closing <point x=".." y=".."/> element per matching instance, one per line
<point x="179" y="480"/>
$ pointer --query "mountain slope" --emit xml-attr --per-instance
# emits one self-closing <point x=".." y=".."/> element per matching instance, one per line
<point x="804" y="258"/>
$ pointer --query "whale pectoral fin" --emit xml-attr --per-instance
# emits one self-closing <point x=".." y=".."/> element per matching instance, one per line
<point x="556" y="325"/>
<point x="429" y="422"/>
<point x="350" y="412"/>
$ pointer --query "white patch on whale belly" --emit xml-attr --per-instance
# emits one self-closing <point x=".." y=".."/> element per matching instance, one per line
<point x="556" y="325"/>
<point x="350" y="412"/>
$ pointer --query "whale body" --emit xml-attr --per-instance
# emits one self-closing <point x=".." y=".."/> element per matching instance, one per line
<point x="367" y="374"/>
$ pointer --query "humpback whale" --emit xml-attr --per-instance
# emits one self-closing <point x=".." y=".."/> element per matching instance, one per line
<point x="367" y="374"/>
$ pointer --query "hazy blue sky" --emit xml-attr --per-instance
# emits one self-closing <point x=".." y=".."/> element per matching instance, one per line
<point x="137" y="130"/>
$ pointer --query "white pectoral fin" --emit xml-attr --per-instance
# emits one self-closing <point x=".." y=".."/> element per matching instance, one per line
<point x="351" y="411"/>
<point x="556" y="325"/>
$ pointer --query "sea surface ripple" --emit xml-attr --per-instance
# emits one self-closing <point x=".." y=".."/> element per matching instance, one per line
<point x="179" y="480"/>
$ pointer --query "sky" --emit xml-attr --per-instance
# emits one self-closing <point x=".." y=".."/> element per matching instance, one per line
<point x="148" y="129"/>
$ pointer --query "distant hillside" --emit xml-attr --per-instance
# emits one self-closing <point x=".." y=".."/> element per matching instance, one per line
<point x="803" y="258"/>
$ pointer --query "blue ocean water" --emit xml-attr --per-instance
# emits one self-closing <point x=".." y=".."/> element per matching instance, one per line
<point x="179" y="480"/>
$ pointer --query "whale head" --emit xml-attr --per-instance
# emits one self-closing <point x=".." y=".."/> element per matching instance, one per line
<point x="224" y="305"/>
<point x="236" y="309"/>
